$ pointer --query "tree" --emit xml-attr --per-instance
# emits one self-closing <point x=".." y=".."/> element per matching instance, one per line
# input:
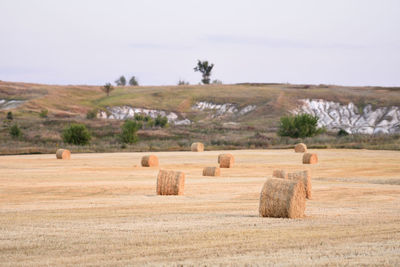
<point x="15" y="131"/>
<point x="76" y="134"/>
<point x="121" y="81"/>
<point x="299" y="126"/>
<point x="133" y="81"/>
<point x="128" y="133"/>
<point x="107" y="88"/>
<point x="10" y="116"/>
<point x="205" y="68"/>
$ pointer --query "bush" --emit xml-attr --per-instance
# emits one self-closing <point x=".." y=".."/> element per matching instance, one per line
<point x="15" y="131"/>
<point x="129" y="129"/>
<point x="139" y="117"/>
<point x="161" y="121"/>
<point x="76" y="134"/>
<point x="91" y="114"/>
<point x="299" y="126"/>
<point x="44" y="113"/>
<point x="10" y="116"/>
<point x="342" y="132"/>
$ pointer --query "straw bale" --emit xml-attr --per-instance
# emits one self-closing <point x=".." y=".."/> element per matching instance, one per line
<point x="211" y="171"/>
<point x="228" y="155"/>
<point x="226" y="162"/>
<point x="170" y="183"/>
<point x="149" y="161"/>
<point x="310" y="158"/>
<point x="63" y="154"/>
<point x="282" y="198"/>
<point x="300" y="148"/>
<point x="197" y="147"/>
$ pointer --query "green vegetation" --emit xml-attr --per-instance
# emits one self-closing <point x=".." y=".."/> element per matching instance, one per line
<point x="133" y="81"/>
<point x="91" y="114"/>
<point x="10" y="116"/>
<point x="161" y="121"/>
<point x="107" y="88"/>
<point x="15" y="131"/>
<point x="128" y="131"/>
<point x="342" y="132"/>
<point x="299" y="126"/>
<point x="121" y="81"/>
<point x="76" y="134"/>
<point x="205" y="68"/>
<point x="44" y="113"/>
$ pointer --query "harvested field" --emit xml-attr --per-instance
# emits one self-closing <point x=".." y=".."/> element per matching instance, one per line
<point x="101" y="209"/>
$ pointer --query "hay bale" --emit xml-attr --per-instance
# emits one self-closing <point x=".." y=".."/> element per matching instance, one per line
<point x="305" y="177"/>
<point x="170" y="183"/>
<point x="300" y="148"/>
<point x="226" y="161"/>
<point x="227" y="155"/>
<point x="310" y="158"/>
<point x="279" y="174"/>
<point x="63" y="154"/>
<point x="282" y="198"/>
<point x="197" y="147"/>
<point x="211" y="171"/>
<point x="149" y="161"/>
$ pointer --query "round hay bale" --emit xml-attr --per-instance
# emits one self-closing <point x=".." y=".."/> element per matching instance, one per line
<point x="282" y="198"/>
<point x="305" y="177"/>
<point x="279" y="174"/>
<point x="197" y="147"/>
<point x="170" y="183"/>
<point x="227" y="155"/>
<point x="63" y="154"/>
<point x="149" y="161"/>
<point x="310" y="158"/>
<point x="300" y="148"/>
<point x="211" y="171"/>
<point x="226" y="161"/>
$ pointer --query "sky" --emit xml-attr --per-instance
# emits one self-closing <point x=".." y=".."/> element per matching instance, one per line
<point x="344" y="42"/>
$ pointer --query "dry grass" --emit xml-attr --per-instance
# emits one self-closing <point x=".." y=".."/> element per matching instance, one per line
<point x="101" y="209"/>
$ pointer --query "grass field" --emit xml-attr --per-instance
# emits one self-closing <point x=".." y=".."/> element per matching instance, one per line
<point x="101" y="209"/>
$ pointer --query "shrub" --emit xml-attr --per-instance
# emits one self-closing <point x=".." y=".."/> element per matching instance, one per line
<point x="139" y="117"/>
<point x="76" y="134"/>
<point x="91" y="114"/>
<point x="107" y="88"/>
<point x="15" y="131"/>
<point x="299" y="126"/>
<point x="133" y="81"/>
<point x="183" y="82"/>
<point x="121" y="81"/>
<point x="161" y="121"/>
<point x="342" y="132"/>
<point x="129" y="129"/>
<point x="43" y="113"/>
<point x="10" y="116"/>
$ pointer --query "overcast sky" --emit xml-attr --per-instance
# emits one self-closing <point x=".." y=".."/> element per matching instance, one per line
<point x="347" y="42"/>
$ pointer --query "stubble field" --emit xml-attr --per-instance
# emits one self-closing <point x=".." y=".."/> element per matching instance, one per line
<point x="102" y="209"/>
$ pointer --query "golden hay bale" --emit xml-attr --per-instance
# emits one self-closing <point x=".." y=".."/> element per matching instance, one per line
<point x="279" y="174"/>
<point x="211" y="171"/>
<point x="300" y="148"/>
<point x="226" y="161"/>
<point x="197" y="147"/>
<point x="310" y="158"/>
<point x="305" y="177"/>
<point x="282" y="198"/>
<point x="63" y="154"/>
<point x="149" y="161"/>
<point x="228" y="155"/>
<point x="170" y="183"/>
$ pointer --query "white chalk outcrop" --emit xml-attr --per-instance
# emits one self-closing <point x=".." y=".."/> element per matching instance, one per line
<point x="127" y="112"/>
<point x="223" y="109"/>
<point x="335" y="116"/>
<point x="10" y="104"/>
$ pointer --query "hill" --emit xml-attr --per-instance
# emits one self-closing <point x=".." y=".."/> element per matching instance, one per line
<point x="221" y="116"/>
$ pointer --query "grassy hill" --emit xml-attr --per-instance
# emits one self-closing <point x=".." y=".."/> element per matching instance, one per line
<point x="67" y="104"/>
